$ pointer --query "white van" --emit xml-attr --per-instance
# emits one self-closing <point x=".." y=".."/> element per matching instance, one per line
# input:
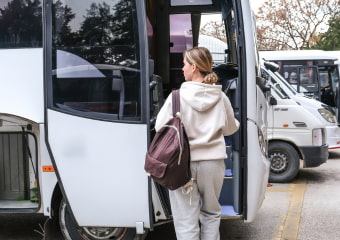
<point x="320" y="110"/>
<point x="312" y="72"/>
<point x="293" y="133"/>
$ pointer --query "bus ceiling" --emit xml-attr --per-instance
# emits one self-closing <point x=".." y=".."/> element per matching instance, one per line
<point x="188" y="6"/>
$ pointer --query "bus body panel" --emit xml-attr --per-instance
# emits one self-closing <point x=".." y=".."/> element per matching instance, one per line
<point x="48" y="179"/>
<point x="296" y="55"/>
<point x="258" y="172"/>
<point x="22" y="75"/>
<point x="257" y="162"/>
<point x="101" y="169"/>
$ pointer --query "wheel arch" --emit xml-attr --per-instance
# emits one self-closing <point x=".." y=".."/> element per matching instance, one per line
<point x="55" y="202"/>
<point x="297" y="149"/>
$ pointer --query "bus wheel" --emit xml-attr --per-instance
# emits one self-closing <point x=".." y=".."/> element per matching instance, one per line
<point x="284" y="162"/>
<point x="71" y="231"/>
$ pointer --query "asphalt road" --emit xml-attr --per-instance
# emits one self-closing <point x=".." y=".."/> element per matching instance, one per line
<point x="21" y="226"/>
<point x="306" y="209"/>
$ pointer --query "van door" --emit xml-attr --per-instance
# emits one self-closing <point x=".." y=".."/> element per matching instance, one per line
<point x="97" y="123"/>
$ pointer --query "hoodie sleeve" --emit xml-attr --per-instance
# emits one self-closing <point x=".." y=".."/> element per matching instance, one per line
<point x="165" y="114"/>
<point x="231" y="124"/>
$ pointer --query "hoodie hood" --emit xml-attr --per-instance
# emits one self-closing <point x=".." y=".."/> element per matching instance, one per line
<point x="200" y="96"/>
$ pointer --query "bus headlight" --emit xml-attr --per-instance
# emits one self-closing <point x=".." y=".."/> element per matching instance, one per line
<point x="327" y="115"/>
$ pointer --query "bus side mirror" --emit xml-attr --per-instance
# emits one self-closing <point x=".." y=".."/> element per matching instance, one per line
<point x="272" y="101"/>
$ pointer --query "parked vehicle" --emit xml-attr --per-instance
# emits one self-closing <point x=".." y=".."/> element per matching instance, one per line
<point x="81" y="85"/>
<point x="294" y="133"/>
<point x="320" y="110"/>
<point x="335" y="54"/>
<point x="312" y="72"/>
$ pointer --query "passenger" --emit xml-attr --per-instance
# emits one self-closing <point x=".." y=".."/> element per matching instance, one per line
<point x="207" y="116"/>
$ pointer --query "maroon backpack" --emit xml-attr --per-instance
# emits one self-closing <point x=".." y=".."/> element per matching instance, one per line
<point x="168" y="157"/>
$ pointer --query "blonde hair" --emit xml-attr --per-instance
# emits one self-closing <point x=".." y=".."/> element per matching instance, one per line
<point x="201" y="57"/>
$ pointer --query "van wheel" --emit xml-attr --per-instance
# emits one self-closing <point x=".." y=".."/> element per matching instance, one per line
<point x="71" y="231"/>
<point x="284" y="162"/>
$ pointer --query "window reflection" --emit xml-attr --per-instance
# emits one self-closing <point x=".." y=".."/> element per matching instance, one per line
<point x="20" y="24"/>
<point x="95" y="58"/>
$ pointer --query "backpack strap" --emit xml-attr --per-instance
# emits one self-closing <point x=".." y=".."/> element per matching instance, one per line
<point x="175" y="102"/>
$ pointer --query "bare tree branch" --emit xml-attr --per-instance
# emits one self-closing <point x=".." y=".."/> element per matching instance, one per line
<point x="293" y="24"/>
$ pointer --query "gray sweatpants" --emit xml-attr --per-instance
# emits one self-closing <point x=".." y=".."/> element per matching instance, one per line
<point x="201" y="204"/>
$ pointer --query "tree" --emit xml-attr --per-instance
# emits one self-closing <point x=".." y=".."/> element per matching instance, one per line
<point x="63" y="34"/>
<point x="215" y="29"/>
<point x="293" y="24"/>
<point x="330" y="40"/>
<point x="95" y="29"/>
<point x="21" y="24"/>
<point x="110" y="32"/>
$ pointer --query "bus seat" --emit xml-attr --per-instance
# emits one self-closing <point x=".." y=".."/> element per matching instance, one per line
<point x="228" y="77"/>
<point x="118" y="86"/>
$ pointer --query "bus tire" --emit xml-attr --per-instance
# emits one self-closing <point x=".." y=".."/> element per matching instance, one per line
<point x="284" y="162"/>
<point x="71" y="231"/>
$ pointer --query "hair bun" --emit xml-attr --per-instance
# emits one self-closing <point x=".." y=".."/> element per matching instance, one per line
<point x="210" y="78"/>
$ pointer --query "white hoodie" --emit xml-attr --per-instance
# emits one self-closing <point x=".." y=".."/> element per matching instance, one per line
<point x="207" y="116"/>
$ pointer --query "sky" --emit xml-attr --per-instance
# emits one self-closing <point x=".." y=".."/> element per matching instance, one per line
<point x="3" y="3"/>
<point x="255" y="4"/>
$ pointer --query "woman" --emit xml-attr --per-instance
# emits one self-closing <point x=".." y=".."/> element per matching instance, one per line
<point x="207" y="116"/>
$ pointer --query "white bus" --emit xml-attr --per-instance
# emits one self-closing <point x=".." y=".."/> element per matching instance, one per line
<point x="335" y="54"/>
<point x="312" y="72"/>
<point x="81" y="85"/>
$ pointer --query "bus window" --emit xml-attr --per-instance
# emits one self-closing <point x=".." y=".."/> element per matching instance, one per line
<point x="308" y="82"/>
<point x="94" y="59"/>
<point x="216" y="43"/>
<point x="328" y="84"/>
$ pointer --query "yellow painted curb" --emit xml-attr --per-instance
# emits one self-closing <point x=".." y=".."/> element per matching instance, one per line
<point x="291" y="224"/>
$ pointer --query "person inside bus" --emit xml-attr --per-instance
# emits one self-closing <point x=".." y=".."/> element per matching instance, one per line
<point x="293" y="78"/>
<point x="207" y="116"/>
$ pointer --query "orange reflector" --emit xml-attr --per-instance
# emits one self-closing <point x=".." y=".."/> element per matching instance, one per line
<point x="285" y="125"/>
<point x="48" y="168"/>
